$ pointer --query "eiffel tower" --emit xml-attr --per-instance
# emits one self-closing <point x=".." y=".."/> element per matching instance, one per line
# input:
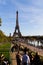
<point x="17" y="32"/>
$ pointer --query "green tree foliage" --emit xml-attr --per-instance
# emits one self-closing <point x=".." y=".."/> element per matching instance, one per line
<point x="3" y="38"/>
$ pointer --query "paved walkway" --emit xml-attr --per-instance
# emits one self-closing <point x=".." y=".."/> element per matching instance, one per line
<point x="13" y="58"/>
<point x="32" y="48"/>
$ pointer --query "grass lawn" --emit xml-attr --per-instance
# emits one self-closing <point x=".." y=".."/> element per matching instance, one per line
<point x="4" y="49"/>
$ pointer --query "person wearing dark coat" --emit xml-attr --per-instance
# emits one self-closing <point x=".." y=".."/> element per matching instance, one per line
<point x="36" y="60"/>
<point x="18" y="58"/>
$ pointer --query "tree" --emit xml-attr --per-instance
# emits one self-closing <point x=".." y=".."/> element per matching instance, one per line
<point x="0" y="21"/>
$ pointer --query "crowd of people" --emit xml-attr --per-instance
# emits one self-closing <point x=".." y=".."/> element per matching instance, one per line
<point x="28" y="58"/>
<point x="3" y="60"/>
<point x="16" y="47"/>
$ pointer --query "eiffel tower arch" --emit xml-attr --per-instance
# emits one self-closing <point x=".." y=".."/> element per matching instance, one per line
<point x="17" y="33"/>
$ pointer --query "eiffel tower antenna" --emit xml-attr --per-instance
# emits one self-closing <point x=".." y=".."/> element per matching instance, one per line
<point x="17" y="18"/>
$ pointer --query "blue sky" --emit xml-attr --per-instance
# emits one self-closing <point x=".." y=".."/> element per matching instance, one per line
<point x="30" y="16"/>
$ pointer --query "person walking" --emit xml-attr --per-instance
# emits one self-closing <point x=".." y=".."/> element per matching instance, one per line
<point x="18" y="58"/>
<point x="25" y="58"/>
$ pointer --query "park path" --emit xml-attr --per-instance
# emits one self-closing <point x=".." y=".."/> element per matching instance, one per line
<point x="32" y="48"/>
<point x="13" y="58"/>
